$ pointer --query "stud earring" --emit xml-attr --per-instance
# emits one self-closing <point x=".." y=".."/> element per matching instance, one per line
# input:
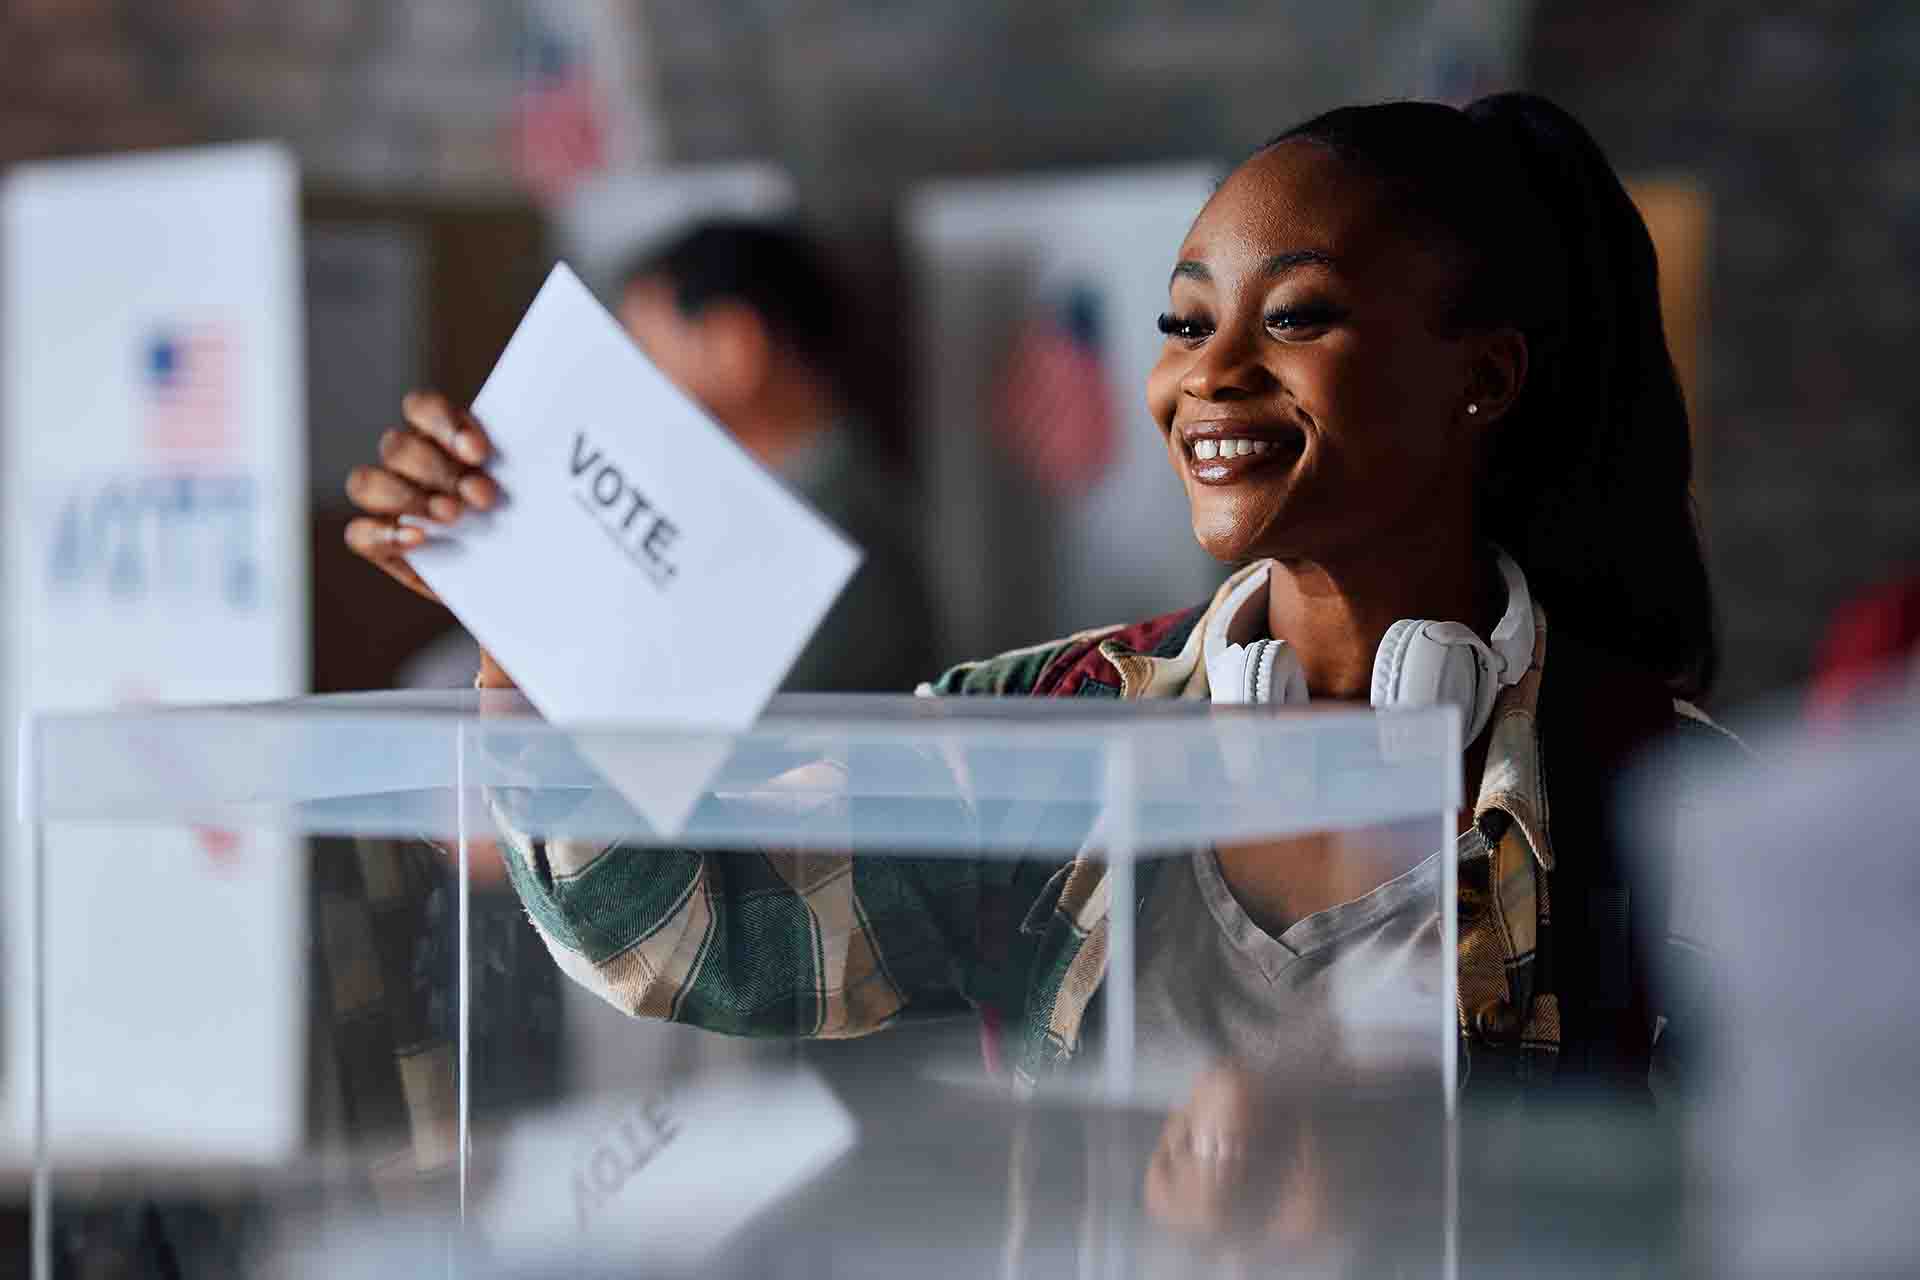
<point x="1473" y="408"/>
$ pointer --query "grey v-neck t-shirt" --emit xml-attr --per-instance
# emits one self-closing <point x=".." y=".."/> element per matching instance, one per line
<point x="1356" y="989"/>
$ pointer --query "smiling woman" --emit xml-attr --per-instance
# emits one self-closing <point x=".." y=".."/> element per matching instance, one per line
<point x="1415" y="385"/>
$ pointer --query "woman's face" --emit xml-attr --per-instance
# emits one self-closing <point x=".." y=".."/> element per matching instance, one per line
<point x="1310" y="406"/>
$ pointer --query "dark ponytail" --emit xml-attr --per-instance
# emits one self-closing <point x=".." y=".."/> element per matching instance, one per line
<point x="1587" y="480"/>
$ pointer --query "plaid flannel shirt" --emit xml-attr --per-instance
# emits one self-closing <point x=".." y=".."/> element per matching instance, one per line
<point x="778" y="943"/>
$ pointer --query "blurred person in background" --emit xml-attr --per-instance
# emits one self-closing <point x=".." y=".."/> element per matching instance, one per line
<point x="1415" y="382"/>
<point x="748" y="320"/>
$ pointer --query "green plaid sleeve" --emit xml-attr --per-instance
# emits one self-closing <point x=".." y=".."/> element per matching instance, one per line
<point x="780" y="942"/>
<point x="755" y="943"/>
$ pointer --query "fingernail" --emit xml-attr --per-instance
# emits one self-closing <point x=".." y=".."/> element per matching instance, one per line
<point x="409" y="536"/>
<point x="467" y="445"/>
<point x="443" y="508"/>
<point x="476" y="491"/>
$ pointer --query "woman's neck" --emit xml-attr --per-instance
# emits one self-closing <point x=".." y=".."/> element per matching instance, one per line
<point x="1332" y="614"/>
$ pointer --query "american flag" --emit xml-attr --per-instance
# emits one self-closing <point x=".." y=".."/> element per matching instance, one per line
<point x="558" y="133"/>
<point x="188" y="383"/>
<point x="1055" y="405"/>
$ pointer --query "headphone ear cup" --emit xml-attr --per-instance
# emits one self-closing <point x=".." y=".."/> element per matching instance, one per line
<point x="1282" y="682"/>
<point x="1388" y="662"/>
<point x="1426" y="664"/>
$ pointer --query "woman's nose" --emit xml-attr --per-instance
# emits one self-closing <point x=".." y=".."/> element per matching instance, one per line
<point x="1224" y="369"/>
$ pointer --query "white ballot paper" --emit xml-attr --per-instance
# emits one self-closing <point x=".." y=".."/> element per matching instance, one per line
<point x="658" y="1182"/>
<point x="642" y="570"/>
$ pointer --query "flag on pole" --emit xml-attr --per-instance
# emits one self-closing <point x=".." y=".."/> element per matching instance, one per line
<point x="559" y="131"/>
<point x="1055" y="410"/>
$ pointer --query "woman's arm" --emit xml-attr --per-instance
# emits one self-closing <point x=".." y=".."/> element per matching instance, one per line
<point x="762" y="943"/>
<point x="755" y="942"/>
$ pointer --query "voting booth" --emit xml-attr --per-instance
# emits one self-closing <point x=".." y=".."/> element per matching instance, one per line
<point x="153" y="502"/>
<point x="848" y="865"/>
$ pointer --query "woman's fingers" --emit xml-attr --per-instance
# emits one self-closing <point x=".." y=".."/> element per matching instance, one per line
<point x="385" y="542"/>
<point x="452" y="427"/>
<point x="447" y="484"/>
<point x="437" y="453"/>
<point x="477" y="489"/>
<point x="377" y="538"/>
<point x="381" y="492"/>
<point x="427" y="469"/>
<point x="420" y="459"/>
<point x="492" y="675"/>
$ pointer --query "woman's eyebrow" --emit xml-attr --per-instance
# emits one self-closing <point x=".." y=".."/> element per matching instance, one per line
<point x="1280" y="263"/>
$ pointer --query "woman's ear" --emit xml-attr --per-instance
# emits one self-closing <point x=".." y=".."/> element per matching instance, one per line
<point x="1497" y="375"/>
<point x="737" y="351"/>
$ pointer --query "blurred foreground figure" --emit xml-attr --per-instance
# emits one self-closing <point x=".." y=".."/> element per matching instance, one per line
<point x="747" y="319"/>
<point x="1799" y="886"/>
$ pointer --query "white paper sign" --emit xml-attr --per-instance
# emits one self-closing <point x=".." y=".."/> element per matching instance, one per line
<point x="155" y="532"/>
<point x="642" y="569"/>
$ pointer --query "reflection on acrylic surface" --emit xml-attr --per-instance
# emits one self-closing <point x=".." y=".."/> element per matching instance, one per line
<point x="1257" y="1180"/>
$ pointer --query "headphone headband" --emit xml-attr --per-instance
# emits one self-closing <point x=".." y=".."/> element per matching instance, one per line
<point x="1512" y="636"/>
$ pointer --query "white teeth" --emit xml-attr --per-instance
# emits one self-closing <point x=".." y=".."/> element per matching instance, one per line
<point x="1213" y="447"/>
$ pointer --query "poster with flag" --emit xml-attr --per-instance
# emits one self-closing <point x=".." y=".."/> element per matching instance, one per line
<point x="185" y="376"/>
<point x="153" y="535"/>
<point x="558" y="134"/>
<point x="1055" y="412"/>
<point x="582" y="106"/>
<point x="1051" y="503"/>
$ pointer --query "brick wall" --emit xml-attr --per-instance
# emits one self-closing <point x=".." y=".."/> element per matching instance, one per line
<point x="861" y="98"/>
<point x="370" y="94"/>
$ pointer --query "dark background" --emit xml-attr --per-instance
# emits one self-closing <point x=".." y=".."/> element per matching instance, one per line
<point x="1800" y="120"/>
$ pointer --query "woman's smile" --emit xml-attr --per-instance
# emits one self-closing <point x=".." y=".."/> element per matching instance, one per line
<point x="1226" y="451"/>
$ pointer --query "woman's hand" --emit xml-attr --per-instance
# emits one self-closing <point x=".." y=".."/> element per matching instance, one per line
<point x="431" y="467"/>
<point x="492" y="676"/>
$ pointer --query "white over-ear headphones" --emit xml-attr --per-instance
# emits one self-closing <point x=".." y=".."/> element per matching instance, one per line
<point x="1420" y="663"/>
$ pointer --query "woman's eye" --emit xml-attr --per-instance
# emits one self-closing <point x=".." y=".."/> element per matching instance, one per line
<point x="1292" y="318"/>
<point x="1185" y="328"/>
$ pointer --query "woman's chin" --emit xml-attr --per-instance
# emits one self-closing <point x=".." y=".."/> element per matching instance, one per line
<point x="1227" y="546"/>
<point x="1232" y="533"/>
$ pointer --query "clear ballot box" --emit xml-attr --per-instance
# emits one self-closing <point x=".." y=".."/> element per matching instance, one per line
<point x="392" y="984"/>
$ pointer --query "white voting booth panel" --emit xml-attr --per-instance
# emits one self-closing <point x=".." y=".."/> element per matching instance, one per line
<point x="153" y="445"/>
<point x="700" y="1153"/>
<point x="996" y="263"/>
